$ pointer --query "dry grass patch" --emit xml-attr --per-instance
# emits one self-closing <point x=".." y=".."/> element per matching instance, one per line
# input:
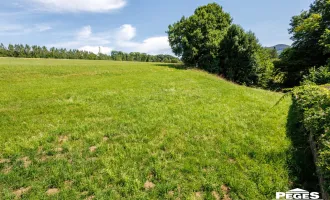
<point x="26" y="161"/>
<point x="148" y="185"/>
<point x="18" y="193"/>
<point x="225" y="189"/>
<point x="92" y="148"/>
<point x="4" y="161"/>
<point x="63" y="138"/>
<point x="52" y="191"/>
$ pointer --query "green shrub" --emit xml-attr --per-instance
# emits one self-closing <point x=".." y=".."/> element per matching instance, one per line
<point x="318" y="76"/>
<point x="313" y="105"/>
<point x="243" y="60"/>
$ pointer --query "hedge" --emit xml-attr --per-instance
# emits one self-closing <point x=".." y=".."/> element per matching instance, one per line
<point x="313" y="105"/>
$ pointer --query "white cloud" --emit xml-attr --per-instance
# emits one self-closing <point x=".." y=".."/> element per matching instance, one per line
<point x="85" y="32"/>
<point x="155" y="45"/>
<point x="126" y="32"/>
<point x="96" y="49"/>
<point x="121" y="39"/>
<point x="84" y="37"/>
<point x="86" y="40"/>
<point x="78" y="5"/>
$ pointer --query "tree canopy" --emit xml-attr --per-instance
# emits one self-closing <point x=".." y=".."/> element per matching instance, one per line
<point x="311" y="43"/>
<point x="196" y="39"/>
<point x="208" y="41"/>
<point x="243" y="60"/>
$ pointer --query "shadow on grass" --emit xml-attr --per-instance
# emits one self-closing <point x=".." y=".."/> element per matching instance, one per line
<point x="174" y="66"/>
<point x="302" y="167"/>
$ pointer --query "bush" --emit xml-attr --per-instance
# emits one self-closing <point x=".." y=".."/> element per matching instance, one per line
<point x="243" y="60"/>
<point x="313" y="105"/>
<point x="318" y="76"/>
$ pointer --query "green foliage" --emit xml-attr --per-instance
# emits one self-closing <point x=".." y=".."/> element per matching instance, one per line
<point x="291" y="66"/>
<point x="243" y="60"/>
<point x="42" y="52"/>
<point x="318" y="76"/>
<point x="311" y="44"/>
<point x="265" y="68"/>
<point x="185" y="131"/>
<point x="325" y="41"/>
<point x="207" y="40"/>
<point x="272" y="52"/>
<point x="313" y="105"/>
<point x="196" y="39"/>
<point x="238" y="56"/>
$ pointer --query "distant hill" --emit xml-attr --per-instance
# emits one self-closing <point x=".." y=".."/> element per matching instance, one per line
<point x="279" y="47"/>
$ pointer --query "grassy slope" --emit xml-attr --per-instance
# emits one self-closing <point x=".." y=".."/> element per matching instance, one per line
<point x="185" y="131"/>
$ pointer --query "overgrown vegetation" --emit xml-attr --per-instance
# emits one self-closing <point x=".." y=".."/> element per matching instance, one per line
<point x="243" y="60"/>
<point x="209" y="41"/>
<point x="76" y="129"/>
<point x="21" y="51"/>
<point x="311" y="44"/>
<point x="313" y="105"/>
<point x="317" y="76"/>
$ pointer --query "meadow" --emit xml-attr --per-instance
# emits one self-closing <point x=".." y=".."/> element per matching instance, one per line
<point x="77" y="129"/>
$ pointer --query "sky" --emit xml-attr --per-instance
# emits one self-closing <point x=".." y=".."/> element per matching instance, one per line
<point x="132" y="25"/>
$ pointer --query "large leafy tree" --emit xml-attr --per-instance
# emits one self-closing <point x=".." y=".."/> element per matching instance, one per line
<point x="311" y="42"/>
<point x="196" y="39"/>
<point x="243" y="60"/>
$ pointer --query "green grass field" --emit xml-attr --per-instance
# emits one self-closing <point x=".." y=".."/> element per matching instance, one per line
<point x="75" y="129"/>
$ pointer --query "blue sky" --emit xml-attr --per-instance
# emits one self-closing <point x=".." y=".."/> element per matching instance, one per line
<point x="132" y="25"/>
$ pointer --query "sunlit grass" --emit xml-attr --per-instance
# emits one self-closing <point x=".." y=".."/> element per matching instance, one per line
<point x="111" y="130"/>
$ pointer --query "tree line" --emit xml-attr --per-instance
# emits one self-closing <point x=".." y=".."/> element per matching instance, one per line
<point x="208" y="40"/>
<point x="27" y="51"/>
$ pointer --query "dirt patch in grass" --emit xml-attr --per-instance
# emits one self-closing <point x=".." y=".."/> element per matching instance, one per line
<point x="52" y="191"/>
<point x="198" y="195"/>
<point x="92" y="159"/>
<point x="216" y="195"/>
<point x="90" y="197"/>
<point x="92" y="148"/>
<point x="68" y="183"/>
<point x="44" y="158"/>
<point x="7" y="169"/>
<point x="60" y="156"/>
<point x="148" y="185"/>
<point x="26" y="161"/>
<point x="105" y="138"/>
<point x="59" y="149"/>
<point x="225" y="189"/>
<point x="63" y="138"/>
<point x="4" y="161"/>
<point x="18" y="193"/>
